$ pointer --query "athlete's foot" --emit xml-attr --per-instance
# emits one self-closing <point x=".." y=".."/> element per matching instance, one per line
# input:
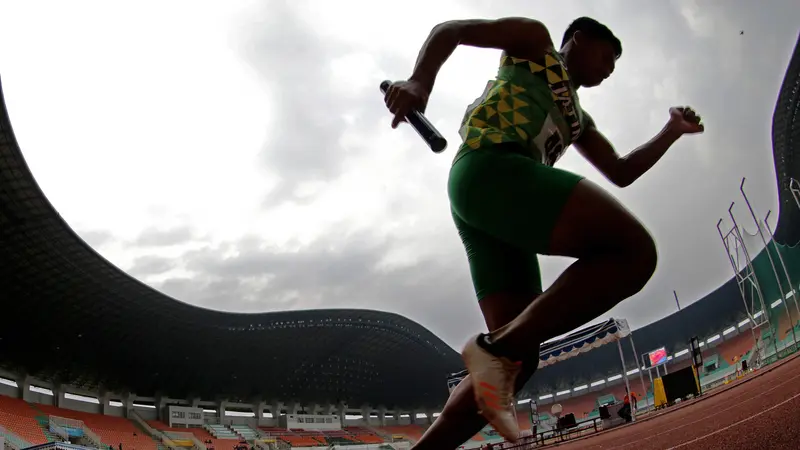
<point x="493" y="381"/>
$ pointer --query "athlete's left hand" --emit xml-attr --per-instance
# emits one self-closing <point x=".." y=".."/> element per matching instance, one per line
<point x="685" y="120"/>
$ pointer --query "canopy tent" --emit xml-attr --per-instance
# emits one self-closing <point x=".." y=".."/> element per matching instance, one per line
<point x="574" y="344"/>
<point x="583" y="341"/>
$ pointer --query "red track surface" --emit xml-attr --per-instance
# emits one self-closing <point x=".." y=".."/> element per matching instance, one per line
<point x="761" y="411"/>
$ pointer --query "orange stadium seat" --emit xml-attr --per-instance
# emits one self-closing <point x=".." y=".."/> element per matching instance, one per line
<point x="736" y="347"/>
<point x="296" y="438"/>
<point x="412" y="432"/>
<point x="523" y="420"/>
<point x="339" y="437"/>
<point x="300" y="441"/>
<point x="19" y="417"/>
<point x="364" y="435"/>
<point x="110" y="429"/>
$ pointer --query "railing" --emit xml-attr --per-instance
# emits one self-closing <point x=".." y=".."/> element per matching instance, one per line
<point x="72" y="423"/>
<point x="382" y="434"/>
<point x="56" y="446"/>
<point x="14" y="441"/>
<point x="58" y="430"/>
<point x="239" y="433"/>
<point x="92" y="437"/>
<point x="152" y="431"/>
<point x="66" y="423"/>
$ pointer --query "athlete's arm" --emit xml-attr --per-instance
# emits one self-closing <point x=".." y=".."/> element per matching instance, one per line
<point x="517" y="36"/>
<point x="623" y="171"/>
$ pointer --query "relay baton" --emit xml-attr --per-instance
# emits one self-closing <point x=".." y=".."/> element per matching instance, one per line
<point x="424" y="128"/>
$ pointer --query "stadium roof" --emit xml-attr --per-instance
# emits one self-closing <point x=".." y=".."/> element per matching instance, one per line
<point x="70" y="316"/>
<point x="786" y="142"/>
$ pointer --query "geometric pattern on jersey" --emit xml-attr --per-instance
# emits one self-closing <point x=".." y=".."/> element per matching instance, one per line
<point x="540" y="111"/>
<point x="497" y="117"/>
<point x="551" y="70"/>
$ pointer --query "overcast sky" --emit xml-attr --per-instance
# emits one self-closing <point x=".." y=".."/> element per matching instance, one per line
<point x="236" y="155"/>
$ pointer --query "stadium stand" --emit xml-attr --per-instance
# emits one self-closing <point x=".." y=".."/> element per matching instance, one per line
<point x="221" y="432"/>
<point x="364" y="435"/>
<point x="410" y="432"/>
<point x="201" y="434"/>
<point x="20" y="418"/>
<point x="112" y="431"/>
<point x="735" y="349"/>
<point x="245" y="432"/>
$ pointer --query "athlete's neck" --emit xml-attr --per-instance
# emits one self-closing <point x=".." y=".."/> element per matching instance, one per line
<point x="565" y="56"/>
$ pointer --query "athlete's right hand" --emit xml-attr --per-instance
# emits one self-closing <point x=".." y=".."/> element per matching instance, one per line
<point x="402" y="97"/>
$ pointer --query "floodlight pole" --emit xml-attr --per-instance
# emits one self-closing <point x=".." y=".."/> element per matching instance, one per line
<point x="741" y="280"/>
<point x="625" y="376"/>
<point x="771" y="262"/>
<point x="649" y="374"/>
<point x="749" y="261"/>
<point x="641" y="377"/>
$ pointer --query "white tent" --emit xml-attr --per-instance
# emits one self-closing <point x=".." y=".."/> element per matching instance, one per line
<point x="574" y="344"/>
<point x="583" y="341"/>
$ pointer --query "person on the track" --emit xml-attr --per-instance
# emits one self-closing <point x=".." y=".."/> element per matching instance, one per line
<point x="625" y="412"/>
<point x="510" y="204"/>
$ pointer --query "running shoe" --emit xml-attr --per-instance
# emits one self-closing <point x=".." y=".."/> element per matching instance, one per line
<point x="493" y="379"/>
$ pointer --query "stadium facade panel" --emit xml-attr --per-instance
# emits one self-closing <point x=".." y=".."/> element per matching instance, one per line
<point x="786" y="147"/>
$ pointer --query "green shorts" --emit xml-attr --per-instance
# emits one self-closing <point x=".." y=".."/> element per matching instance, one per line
<point x="505" y="205"/>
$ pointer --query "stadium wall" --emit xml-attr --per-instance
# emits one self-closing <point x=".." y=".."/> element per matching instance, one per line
<point x="44" y="393"/>
<point x="8" y="391"/>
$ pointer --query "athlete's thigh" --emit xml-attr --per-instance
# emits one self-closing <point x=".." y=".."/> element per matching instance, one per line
<point x="593" y="221"/>
<point x="510" y="197"/>
<point x="501" y="273"/>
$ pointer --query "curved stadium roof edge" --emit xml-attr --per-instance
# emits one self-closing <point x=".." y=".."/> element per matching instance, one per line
<point x="785" y="140"/>
<point x="115" y="331"/>
<point x="67" y="228"/>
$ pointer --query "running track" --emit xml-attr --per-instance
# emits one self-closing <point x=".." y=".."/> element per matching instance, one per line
<point x="761" y="411"/>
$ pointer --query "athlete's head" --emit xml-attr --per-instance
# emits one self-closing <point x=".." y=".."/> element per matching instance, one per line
<point x="591" y="51"/>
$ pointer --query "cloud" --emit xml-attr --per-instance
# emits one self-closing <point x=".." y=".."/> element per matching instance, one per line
<point x="154" y="237"/>
<point x="151" y="265"/>
<point x="309" y="101"/>
<point x="342" y="211"/>
<point x="339" y="271"/>
<point x="671" y="58"/>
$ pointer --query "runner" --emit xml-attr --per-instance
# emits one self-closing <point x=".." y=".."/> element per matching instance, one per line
<point x="510" y="204"/>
